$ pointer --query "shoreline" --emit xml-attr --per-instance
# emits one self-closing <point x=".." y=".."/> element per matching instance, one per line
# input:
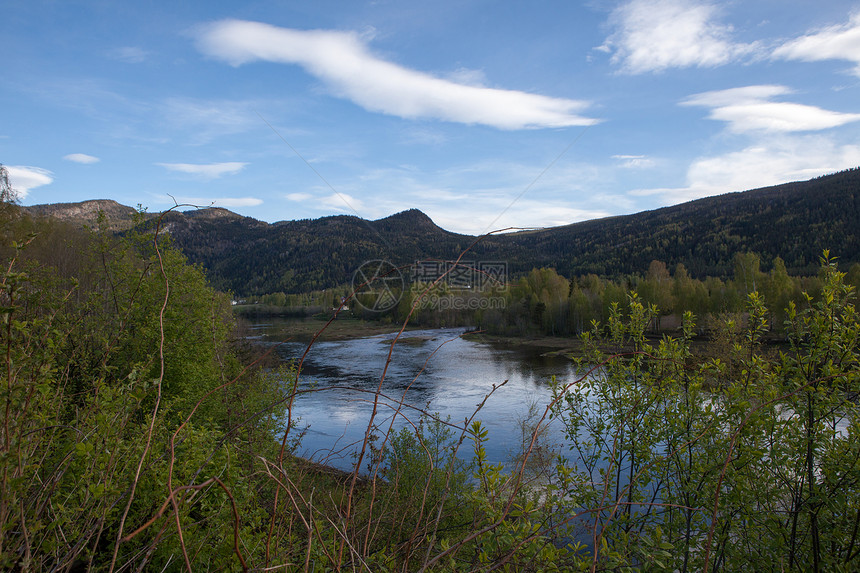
<point x="702" y="347"/>
<point x="305" y="329"/>
<point x="551" y="345"/>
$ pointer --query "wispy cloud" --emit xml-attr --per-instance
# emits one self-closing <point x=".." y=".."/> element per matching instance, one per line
<point x="750" y="109"/>
<point x="208" y="119"/>
<point x="23" y="178"/>
<point x="212" y="201"/>
<point x="469" y="214"/>
<point x="206" y="170"/>
<point x="634" y="161"/>
<point x="343" y="62"/>
<point x="343" y="203"/>
<point x="655" y="35"/>
<point x="97" y="98"/>
<point x="837" y="42"/>
<point x="81" y="158"/>
<point x="778" y="159"/>
<point x="474" y="217"/>
<point x="129" y="54"/>
<point x="423" y="137"/>
<point x="441" y="195"/>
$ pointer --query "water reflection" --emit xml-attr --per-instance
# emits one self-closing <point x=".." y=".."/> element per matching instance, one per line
<point x="430" y="370"/>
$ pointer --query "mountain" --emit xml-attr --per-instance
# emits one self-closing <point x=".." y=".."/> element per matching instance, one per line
<point x="249" y="256"/>
<point x="795" y="221"/>
<point x="119" y="217"/>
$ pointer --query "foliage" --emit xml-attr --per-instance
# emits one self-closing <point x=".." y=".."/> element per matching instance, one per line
<point x="761" y="475"/>
<point x="105" y="353"/>
<point x="137" y="436"/>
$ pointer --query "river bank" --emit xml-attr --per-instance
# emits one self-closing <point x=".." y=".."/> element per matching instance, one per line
<point x="702" y="347"/>
<point x="305" y="329"/>
<point x="323" y="329"/>
<point x="545" y="345"/>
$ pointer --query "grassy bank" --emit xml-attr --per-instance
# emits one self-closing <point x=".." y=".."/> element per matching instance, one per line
<point x="338" y="329"/>
<point x="548" y="345"/>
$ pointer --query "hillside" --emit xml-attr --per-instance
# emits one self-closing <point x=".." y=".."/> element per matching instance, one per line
<point x="119" y="217"/>
<point x="248" y="256"/>
<point x="795" y="221"/>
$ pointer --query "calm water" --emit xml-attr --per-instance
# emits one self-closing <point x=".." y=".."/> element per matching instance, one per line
<point x="434" y="370"/>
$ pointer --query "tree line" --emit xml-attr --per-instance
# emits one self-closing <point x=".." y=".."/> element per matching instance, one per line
<point x="545" y="303"/>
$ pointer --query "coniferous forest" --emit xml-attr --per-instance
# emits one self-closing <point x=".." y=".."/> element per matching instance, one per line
<point x="142" y="431"/>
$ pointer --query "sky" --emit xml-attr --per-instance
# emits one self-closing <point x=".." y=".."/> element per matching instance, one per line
<point x="484" y="115"/>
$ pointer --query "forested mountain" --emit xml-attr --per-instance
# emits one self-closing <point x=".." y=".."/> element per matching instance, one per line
<point x="248" y="257"/>
<point x="795" y="221"/>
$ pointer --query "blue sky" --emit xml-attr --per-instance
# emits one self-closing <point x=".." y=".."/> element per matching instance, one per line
<point x="484" y="115"/>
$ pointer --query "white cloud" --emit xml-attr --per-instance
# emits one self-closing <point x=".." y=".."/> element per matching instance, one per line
<point x="749" y="109"/>
<point x="838" y="42"/>
<point x="737" y="95"/>
<point x="206" y="170"/>
<point x="23" y="178"/>
<point x="654" y="35"/>
<point x="81" y="158"/>
<point x="236" y="202"/>
<point x="634" y="161"/>
<point x="212" y="201"/>
<point x="495" y="198"/>
<point x="468" y="77"/>
<point x="475" y="197"/>
<point x="344" y="63"/>
<point x="343" y="203"/>
<point x="474" y="214"/>
<point x="778" y="160"/>
<point x="480" y="215"/>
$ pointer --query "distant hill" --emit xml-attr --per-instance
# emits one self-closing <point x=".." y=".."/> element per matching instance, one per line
<point x="119" y="217"/>
<point x="795" y="221"/>
<point x="249" y="256"/>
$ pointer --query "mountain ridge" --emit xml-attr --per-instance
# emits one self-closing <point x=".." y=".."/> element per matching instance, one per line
<point x="795" y="221"/>
<point x="118" y="216"/>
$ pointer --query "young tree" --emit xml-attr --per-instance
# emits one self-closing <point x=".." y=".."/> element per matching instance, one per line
<point x="656" y="289"/>
<point x="7" y="192"/>
<point x="747" y="272"/>
<point x="778" y="290"/>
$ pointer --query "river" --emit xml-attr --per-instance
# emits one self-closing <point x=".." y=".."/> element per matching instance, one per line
<point x="432" y="370"/>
